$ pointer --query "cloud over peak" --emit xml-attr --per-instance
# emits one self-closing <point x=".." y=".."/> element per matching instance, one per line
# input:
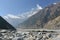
<point x="54" y="3"/>
<point x="39" y="7"/>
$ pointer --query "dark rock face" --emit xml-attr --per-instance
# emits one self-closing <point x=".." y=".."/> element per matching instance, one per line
<point x="5" y="25"/>
<point x="42" y="17"/>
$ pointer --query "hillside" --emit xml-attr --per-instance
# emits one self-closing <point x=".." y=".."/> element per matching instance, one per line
<point x="5" y="25"/>
<point x="53" y="24"/>
<point x="41" y="18"/>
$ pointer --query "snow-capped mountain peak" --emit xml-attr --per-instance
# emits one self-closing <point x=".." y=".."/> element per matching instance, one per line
<point x="11" y="16"/>
<point x="17" y="19"/>
<point x="39" y="7"/>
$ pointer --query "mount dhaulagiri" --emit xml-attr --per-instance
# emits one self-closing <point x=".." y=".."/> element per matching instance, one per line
<point x="42" y="18"/>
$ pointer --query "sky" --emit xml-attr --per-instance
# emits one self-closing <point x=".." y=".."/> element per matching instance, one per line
<point x="17" y="7"/>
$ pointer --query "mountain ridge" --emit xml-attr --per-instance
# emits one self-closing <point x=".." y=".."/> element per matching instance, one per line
<point x="42" y="17"/>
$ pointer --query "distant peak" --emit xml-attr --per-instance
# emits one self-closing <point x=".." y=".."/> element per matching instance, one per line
<point x="11" y="16"/>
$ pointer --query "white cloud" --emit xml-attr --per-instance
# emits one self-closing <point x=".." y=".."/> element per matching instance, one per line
<point x="39" y="7"/>
<point x="54" y="3"/>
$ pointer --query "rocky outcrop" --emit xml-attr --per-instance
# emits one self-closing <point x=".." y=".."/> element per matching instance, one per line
<point x="53" y="24"/>
<point x="4" y="25"/>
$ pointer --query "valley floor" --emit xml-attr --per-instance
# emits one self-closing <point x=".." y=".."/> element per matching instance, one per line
<point x="30" y="34"/>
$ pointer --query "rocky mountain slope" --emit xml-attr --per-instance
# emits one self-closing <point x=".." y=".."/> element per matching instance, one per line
<point x="53" y="24"/>
<point x="4" y="25"/>
<point x="41" y="18"/>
